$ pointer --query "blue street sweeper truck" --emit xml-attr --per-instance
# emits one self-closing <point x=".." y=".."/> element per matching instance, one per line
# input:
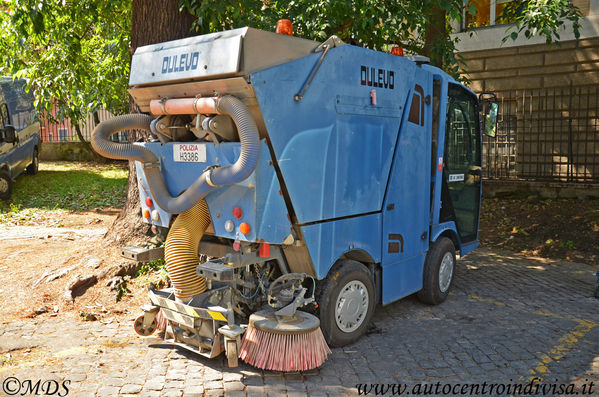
<point x="294" y="174"/>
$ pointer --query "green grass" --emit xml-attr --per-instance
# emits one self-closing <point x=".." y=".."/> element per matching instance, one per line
<point x="153" y="272"/>
<point x="69" y="186"/>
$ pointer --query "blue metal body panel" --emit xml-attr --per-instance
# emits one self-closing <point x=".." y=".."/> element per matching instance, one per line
<point x="438" y="173"/>
<point x="438" y="229"/>
<point x="328" y="241"/>
<point x="354" y="155"/>
<point x="334" y="147"/>
<point x="258" y="196"/>
<point x="468" y="248"/>
<point x="406" y="214"/>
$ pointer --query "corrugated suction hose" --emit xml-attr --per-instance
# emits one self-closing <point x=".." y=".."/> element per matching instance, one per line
<point x="181" y="251"/>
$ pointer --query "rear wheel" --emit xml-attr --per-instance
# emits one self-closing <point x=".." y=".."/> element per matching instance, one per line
<point x="35" y="163"/>
<point x="347" y="303"/>
<point x="5" y="185"/>
<point x="439" y="268"/>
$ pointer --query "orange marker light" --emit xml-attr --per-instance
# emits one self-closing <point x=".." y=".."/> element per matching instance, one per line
<point x="146" y="213"/>
<point x="244" y="228"/>
<point x="397" y="51"/>
<point x="284" y="27"/>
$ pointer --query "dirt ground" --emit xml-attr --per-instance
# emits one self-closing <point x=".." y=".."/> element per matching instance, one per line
<point x="32" y="255"/>
<point x="557" y="229"/>
<point x="62" y="240"/>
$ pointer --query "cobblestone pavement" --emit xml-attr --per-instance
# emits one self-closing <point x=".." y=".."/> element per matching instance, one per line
<point x="509" y="319"/>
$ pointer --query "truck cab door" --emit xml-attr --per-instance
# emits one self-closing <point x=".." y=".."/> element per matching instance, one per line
<point x="10" y="149"/>
<point x="461" y="189"/>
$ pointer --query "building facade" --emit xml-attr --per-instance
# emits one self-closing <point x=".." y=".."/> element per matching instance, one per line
<point x="548" y="95"/>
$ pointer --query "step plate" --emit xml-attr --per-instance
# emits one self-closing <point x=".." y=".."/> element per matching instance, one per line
<point x="215" y="271"/>
<point x="141" y="254"/>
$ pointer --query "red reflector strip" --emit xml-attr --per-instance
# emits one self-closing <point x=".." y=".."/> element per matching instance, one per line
<point x="264" y="250"/>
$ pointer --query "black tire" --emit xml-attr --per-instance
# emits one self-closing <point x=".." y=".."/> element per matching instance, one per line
<point x="349" y="278"/>
<point x="35" y="163"/>
<point x="432" y="291"/>
<point x="5" y="185"/>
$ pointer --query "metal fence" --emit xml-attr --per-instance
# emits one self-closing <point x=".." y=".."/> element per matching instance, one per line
<point x="65" y="132"/>
<point x="546" y="135"/>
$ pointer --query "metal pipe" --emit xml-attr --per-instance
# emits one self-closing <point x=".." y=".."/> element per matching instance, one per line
<point x="184" y="106"/>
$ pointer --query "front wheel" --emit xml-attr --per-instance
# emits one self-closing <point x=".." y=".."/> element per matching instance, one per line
<point x="439" y="268"/>
<point x="347" y="303"/>
<point x="35" y="163"/>
<point x="5" y="185"/>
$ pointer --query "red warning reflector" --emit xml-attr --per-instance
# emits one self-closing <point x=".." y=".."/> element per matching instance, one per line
<point x="149" y="202"/>
<point x="237" y="212"/>
<point x="440" y="166"/>
<point x="236" y="246"/>
<point x="264" y="250"/>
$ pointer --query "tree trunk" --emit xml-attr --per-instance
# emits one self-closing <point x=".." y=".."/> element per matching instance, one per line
<point x="435" y="34"/>
<point x="96" y="119"/>
<point x="95" y="155"/>
<point x="152" y="21"/>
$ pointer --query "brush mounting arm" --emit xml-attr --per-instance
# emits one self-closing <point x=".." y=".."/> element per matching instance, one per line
<point x="286" y="289"/>
<point x="298" y="302"/>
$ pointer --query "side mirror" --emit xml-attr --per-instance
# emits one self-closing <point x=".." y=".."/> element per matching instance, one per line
<point x="490" y="110"/>
<point x="10" y="134"/>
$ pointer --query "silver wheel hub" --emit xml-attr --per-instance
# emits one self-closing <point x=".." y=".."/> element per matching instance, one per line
<point x="351" y="306"/>
<point x="446" y="272"/>
<point x="3" y="185"/>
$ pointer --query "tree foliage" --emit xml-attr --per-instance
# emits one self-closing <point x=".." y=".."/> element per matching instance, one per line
<point x="74" y="54"/>
<point x="420" y="26"/>
<point x="544" y="18"/>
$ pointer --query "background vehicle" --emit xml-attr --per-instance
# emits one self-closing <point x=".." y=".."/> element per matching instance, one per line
<point x="305" y="172"/>
<point x="19" y="135"/>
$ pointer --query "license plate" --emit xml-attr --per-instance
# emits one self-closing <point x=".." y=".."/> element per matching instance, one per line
<point x="189" y="153"/>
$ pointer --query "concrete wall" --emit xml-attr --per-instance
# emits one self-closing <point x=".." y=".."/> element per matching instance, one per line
<point x="519" y="189"/>
<point x="534" y="66"/>
<point x="68" y="151"/>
